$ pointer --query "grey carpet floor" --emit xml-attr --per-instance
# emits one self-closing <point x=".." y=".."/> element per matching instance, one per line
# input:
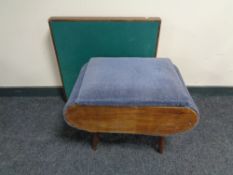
<point x="34" y="139"/>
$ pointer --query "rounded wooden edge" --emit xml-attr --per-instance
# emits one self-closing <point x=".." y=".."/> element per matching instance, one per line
<point x="60" y="18"/>
<point x="194" y="115"/>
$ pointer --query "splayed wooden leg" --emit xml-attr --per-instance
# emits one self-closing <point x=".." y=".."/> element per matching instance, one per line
<point x="161" y="144"/>
<point x="95" y="140"/>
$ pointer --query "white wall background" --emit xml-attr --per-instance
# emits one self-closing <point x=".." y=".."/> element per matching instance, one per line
<point x="196" y="34"/>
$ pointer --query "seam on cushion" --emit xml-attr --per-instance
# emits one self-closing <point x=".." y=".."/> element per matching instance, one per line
<point x="135" y="103"/>
<point x="78" y="83"/>
<point x="81" y="80"/>
<point x="195" y="108"/>
<point x="80" y="88"/>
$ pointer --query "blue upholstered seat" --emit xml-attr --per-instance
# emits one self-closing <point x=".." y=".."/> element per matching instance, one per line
<point x="131" y="82"/>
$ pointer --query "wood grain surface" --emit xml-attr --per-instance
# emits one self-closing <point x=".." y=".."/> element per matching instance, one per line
<point x="147" y="120"/>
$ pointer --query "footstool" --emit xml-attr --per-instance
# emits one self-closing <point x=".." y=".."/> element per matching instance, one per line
<point x="131" y="95"/>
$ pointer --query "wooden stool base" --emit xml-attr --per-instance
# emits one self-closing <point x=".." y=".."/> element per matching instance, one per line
<point x="161" y="144"/>
<point x="95" y="140"/>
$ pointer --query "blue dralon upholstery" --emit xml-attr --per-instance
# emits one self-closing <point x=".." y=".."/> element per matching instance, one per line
<point x="131" y="82"/>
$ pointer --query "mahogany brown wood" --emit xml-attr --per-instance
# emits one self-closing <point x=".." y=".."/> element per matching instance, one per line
<point x="95" y="140"/>
<point x="147" y="120"/>
<point x="161" y="144"/>
<point x="62" y="18"/>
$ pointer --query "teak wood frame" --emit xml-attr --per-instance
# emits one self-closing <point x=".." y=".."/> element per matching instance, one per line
<point x="73" y="19"/>
<point x="146" y="120"/>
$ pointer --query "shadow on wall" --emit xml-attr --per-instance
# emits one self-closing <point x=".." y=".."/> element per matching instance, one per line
<point x="54" y="67"/>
